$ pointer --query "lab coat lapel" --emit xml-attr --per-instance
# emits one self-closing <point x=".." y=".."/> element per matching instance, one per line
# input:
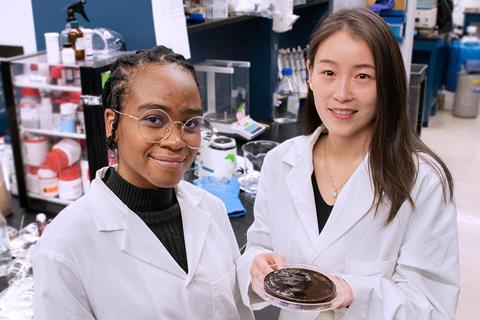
<point x="137" y="240"/>
<point x="141" y="243"/>
<point x="196" y="223"/>
<point x="353" y="202"/>
<point x="298" y="182"/>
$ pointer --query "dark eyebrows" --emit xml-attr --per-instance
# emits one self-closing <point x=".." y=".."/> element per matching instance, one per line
<point x="150" y="106"/>
<point x="358" y="66"/>
<point x="189" y="112"/>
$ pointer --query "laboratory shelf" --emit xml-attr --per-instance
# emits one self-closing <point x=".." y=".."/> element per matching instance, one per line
<point x="49" y="199"/>
<point x="214" y="23"/>
<point x="54" y="133"/>
<point x="46" y="86"/>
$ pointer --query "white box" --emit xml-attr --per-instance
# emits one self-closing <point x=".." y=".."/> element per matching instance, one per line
<point x="426" y="18"/>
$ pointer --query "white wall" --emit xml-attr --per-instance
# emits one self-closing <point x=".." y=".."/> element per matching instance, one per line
<point x="16" y="24"/>
<point x="459" y="6"/>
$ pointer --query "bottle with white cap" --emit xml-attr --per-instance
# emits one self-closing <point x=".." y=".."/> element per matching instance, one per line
<point x="68" y="117"/>
<point x="52" y="45"/>
<point x="41" y="222"/>
<point x="471" y="35"/>
<point x="87" y="38"/>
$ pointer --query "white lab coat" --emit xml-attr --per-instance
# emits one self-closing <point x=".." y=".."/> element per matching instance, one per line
<point x="407" y="269"/>
<point x="98" y="260"/>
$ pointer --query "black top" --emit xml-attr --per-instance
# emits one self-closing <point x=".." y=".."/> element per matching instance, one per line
<point x="159" y="210"/>
<point x="323" y="209"/>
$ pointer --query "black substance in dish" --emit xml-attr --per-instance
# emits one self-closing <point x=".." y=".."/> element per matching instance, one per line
<point x="300" y="285"/>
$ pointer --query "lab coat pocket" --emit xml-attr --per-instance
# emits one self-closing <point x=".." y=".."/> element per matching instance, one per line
<point x="224" y="306"/>
<point x="370" y="268"/>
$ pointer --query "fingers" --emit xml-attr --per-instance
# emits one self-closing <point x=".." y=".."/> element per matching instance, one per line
<point x="344" y="290"/>
<point x="263" y="264"/>
<point x="278" y="260"/>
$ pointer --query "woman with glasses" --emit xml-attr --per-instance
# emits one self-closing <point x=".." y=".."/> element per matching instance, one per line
<point x="142" y="243"/>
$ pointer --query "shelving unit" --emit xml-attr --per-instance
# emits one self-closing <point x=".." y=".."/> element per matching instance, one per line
<point x="59" y="201"/>
<point x="54" y="133"/>
<point x="250" y="38"/>
<point x="49" y="87"/>
<point x="19" y="73"/>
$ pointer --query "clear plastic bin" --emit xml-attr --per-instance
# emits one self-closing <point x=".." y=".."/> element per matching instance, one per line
<point x="224" y="87"/>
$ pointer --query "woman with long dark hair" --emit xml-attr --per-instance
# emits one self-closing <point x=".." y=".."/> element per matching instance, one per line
<point x="359" y="194"/>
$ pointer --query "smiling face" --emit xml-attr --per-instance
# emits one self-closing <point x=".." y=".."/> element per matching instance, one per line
<point x="152" y="165"/>
<point x="342" y="78"/>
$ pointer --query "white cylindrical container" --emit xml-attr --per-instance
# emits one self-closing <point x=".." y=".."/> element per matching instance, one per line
<point x="87" y="36"/>
<point x="48" y="181"/>
<point x="64" y="154"/>
<point x="219" y="159"/>
<point x="85" y="175"/>
<point x="45" y="114"/>
<point x="68" y="121"/>
<point x="36" y="149"/>
<point x="52" y="45"/>
<point x="68" y="55"/>
<point x="33" y="184"/>
<point x="70" y="183"/>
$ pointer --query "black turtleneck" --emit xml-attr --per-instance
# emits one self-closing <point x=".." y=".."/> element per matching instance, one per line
<point x="158" y="208"/>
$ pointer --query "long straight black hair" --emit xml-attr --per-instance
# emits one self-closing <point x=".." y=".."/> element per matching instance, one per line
<point x="395" y="147"/>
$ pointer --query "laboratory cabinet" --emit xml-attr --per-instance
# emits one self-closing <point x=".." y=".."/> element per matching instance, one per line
<point x="56" y="126"/>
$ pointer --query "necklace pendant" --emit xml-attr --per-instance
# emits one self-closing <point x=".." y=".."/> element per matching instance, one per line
<point x="334" y="194"/>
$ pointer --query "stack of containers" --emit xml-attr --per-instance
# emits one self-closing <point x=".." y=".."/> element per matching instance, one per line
<point x="394" y="17"/>
<point x="56" y="172"/>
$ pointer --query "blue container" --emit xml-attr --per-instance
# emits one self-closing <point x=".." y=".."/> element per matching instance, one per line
<point x="459" y="53"/>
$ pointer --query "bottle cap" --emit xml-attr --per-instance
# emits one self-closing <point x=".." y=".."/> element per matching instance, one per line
<point x="68" y="108"/>
<point x="30" y="92"/>
<point x="223" y="143"/>
<point x="70" y="173"/>
<point x="71" y="148"/>
<point x="287" y="71"/>
<point x="51" y="35"/>
<point x="33" y="170"/>
<point x="471" y="30"/>
<point x="41" y="217"/>
<point x="35" y="139"/>
<point x="56" y="160"/>
<point x="74" y="97"/>
<point x="46" y="173"/>
<point x="56" y="72"/>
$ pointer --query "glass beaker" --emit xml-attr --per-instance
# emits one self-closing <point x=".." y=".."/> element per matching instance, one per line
<point x="254" y="153"/>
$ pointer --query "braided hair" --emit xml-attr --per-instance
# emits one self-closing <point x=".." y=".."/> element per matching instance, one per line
<point x="122" y="71"/>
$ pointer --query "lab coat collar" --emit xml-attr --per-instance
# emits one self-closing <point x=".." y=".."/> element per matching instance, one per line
<point x="353" y="202"/>
<point x="299" y="186"/>
<point x="112" y="214"/>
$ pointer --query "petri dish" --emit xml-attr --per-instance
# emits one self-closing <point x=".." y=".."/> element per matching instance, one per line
<point x="258" y="286"/>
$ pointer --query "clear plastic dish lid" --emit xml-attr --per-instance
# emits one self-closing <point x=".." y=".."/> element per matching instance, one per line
<point x="258" y="285"/>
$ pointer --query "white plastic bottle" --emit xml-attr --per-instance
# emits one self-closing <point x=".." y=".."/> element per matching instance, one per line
<point x="286" y="99"/>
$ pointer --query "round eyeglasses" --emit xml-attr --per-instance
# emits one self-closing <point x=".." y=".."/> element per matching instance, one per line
<point x="155" y="126"/>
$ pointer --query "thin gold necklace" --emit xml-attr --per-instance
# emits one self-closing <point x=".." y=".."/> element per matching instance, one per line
<point x="335" y="191"/>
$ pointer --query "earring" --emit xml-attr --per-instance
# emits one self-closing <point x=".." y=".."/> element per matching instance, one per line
<point x="114" y="153"/>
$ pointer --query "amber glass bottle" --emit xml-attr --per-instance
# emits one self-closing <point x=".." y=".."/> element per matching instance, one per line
<point x="75" y="37"/>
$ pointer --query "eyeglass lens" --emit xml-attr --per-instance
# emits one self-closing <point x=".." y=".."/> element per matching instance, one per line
<point x="155" y="126"/>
